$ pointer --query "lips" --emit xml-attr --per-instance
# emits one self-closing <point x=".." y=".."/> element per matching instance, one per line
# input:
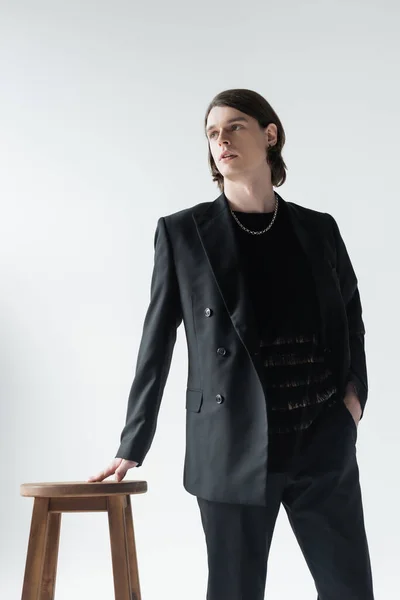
<point x="227" y="155"/>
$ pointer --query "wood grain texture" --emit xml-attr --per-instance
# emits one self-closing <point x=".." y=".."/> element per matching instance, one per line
<point x="36" y="550"/>
<point x="48" y="584"/>
<point x="65" y="489"/>
<point x="132" y="556"/>
<point x="119" y="552"/>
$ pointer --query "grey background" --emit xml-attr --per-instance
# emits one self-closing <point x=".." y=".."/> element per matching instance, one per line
<point x="101" y="116"/>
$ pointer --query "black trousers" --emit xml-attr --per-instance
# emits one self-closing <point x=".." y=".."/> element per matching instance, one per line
<point x="320" y="492"/>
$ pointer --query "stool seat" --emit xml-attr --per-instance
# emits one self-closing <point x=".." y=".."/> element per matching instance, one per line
<point x="69" y="489"/>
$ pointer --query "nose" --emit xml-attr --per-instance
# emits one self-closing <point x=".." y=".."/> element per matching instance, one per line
<point x="222" y="138"/>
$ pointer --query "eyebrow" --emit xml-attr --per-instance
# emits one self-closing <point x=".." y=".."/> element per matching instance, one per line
<point x="229" y="121"/>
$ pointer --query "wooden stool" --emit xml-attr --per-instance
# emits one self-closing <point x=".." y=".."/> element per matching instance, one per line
<point x="52" y="499"/>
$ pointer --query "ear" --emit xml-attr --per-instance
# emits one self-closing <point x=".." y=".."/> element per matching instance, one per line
<point x="271" y="134"/>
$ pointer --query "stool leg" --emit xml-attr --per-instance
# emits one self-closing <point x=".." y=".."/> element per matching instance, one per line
<point x="36" y="550"/>
<point x="132" y="556"/>
<point x="119" y="553"/>
<point x="47" y="591"/>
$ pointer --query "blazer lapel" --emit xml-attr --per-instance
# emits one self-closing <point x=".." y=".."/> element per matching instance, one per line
<point x="311" y="240"/>
<point x="216" y="231"/>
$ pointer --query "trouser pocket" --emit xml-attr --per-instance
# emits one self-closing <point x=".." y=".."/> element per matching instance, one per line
<point x="349" y="417"/>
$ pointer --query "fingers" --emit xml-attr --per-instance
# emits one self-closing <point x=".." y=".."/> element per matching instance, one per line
<point x="100" y="476"/>
<point x="119" y="466"/>
<point x="106" y="472"/>
<point x="120" y="474"/>
<point x="125" y="465"/>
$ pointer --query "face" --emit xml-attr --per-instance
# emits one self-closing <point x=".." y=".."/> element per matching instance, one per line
<point x="228" y="129"/>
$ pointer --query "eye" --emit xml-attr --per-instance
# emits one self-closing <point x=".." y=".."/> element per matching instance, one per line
<point x="211" y="135"/>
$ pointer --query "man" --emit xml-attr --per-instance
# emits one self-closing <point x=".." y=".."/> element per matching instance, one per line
<point x="277" y="379"/>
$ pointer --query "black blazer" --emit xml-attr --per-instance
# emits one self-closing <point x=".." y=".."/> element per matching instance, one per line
<point x="198" y="279"/>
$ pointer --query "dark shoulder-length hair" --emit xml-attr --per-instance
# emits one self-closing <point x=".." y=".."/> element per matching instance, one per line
<point x="255" y="105"/>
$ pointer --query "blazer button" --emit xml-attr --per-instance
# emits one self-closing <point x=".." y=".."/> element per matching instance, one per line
<point x="221" y="351"/>
<point x="207" y="312"/>
<point x="219" y="398"/>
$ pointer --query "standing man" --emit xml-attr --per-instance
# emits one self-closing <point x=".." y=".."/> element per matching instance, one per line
<point x="277" y="379"/>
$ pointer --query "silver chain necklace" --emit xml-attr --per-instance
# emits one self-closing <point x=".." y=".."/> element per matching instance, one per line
<point x="263" y="230"/>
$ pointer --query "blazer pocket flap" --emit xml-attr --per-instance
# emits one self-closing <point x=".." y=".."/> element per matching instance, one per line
<point x="194" y="400"/>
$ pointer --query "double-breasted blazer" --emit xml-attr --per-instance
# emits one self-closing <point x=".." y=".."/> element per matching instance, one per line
<point x="198" y="279"/>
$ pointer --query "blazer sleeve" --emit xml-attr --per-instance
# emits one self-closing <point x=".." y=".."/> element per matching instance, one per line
<point x="349" y="287"/>
<point x="163" y="317"/>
